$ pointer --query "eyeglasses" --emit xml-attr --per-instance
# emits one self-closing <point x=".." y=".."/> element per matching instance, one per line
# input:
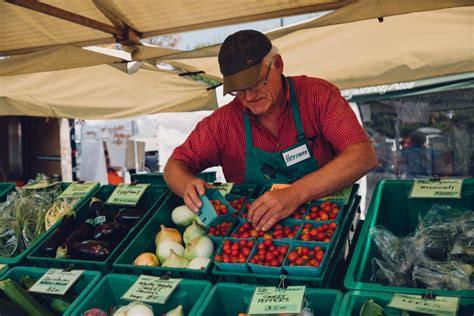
<point x="259" y="85"/>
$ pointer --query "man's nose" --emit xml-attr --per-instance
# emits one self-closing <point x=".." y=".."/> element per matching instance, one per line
<point x="249" y="95"/>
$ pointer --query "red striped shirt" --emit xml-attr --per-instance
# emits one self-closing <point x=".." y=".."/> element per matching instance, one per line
<point x="219" y="139"/>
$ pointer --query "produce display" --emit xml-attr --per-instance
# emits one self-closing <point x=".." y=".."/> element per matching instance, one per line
<point x="326" y="211"/>
<point x="438" y="255"/>
<point x="318" y="232"/>
<point x="283" y="229"/>
<point x="220" y="230"/>
<point x="94" y="238"/>
<point x="305" y="225"/>
<point x="197" y="250"/>
<point x="26" y="214"/>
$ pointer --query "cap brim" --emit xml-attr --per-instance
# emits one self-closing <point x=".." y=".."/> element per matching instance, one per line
<point x="243" y="79"/>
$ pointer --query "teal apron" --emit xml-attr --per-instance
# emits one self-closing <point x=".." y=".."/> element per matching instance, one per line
<point x="284" y="166"/>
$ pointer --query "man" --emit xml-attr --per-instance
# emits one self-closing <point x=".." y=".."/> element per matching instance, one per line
<point x="278" y="129"/>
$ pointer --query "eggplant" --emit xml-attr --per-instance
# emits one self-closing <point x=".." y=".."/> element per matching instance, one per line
<point x="80" y="234"/>
<point x="128" y="217"/>
<point x="112" y="233"/>
<point x="91" y="250"/>
<point x="98" y="212"/>
<point x="59" y="236"/>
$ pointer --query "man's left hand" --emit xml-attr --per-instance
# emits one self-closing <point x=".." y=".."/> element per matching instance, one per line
<point x="271" y="207"/>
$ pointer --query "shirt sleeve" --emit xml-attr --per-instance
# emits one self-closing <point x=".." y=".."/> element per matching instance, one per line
<point x="201" y="149"/>
<point x="339" y="123"/>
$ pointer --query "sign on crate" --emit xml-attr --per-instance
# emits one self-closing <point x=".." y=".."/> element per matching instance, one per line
<point x="151" y="289"/>
<point x="56" y="281"/>
<point x="272" y="300"/>
<point x="127" y="194"/>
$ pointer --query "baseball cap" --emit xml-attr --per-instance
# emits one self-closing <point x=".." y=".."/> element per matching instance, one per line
<point x="240" y="59"/>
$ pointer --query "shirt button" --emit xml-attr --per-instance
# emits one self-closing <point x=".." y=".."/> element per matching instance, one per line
<point x="278" y="145"/>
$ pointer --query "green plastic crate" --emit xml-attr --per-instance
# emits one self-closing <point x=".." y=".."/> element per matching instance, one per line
<point x="150" y="201"/>
<point x="13" y="261"/>
<point x="353" y="301"/>
<point x="157" y="177"/>
<point x="230" y="299"/>
<point x="145" y="242"/>
<point x="335" y="254"/>
<point x="81" y="287"/>
<point x="5" y="188"/>
<point x="244" y="189"/>
<point x="391" y="208"/>
<point x="189" y="293"/>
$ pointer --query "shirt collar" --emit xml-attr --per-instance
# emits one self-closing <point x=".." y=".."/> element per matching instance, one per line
<point x="286" y="89"/>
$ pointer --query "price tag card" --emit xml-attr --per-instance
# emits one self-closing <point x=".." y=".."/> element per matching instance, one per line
<point x="43" y="184"/>
<point x="56" y="281"/>
<point x="151" y="289"/>
<point x="278" y="186"/>
<point x="225" y="188"/>
<point x="438" y="189"/>
<point x="272" y="300"/>
<point x="341" y="195"/>
<point x="440" y="305"/>
<point x="127" y="194"/>
<point x="77" y="190"/>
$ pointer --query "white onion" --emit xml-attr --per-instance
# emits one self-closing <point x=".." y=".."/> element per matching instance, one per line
<point x="164" y="248"/>
<point x="182" y="216"/>
<point x="199" y="247"/>
<point x="175" y="261"/>
<point x="199" y="263"/>
<point x="193" y="231"/>
<point x="178" y="311"/>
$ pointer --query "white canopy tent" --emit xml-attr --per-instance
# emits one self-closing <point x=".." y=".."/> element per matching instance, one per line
<point x="365" y="53"/>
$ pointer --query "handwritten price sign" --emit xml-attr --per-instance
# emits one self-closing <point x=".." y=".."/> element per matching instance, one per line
<point x="272" y="300"/>
<point x="151" y="289"/>
<point x="127" y="194"/>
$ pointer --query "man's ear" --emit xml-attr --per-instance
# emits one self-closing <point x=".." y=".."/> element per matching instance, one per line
<point x="278" y="62"/>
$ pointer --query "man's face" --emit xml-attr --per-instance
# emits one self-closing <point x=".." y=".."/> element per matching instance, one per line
<point x="264" y="95"/>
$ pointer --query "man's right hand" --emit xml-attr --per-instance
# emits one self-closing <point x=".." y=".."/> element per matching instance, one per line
<point x="196" y="188"/>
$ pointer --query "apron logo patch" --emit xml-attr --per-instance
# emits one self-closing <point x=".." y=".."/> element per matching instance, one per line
<point x="296" y="155"/>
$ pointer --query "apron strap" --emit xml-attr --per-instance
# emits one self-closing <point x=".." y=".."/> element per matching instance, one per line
<point x="248" y="134"/>
<point x="296" y="113"/>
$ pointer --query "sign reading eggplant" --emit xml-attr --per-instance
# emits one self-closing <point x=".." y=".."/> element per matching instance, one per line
<point x="272" y="300"/>
<point x="56" y="281"/>
<point x="151" y="289"/>
<point x="78" y="190"/>
<point x="127" y="194"/>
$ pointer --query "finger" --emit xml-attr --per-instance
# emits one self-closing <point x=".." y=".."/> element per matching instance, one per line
<point x="259" y="213"/>
<point x="201" y="188"/>
<point x="194" y="197"/>
<point x="268" y="220"/>
<point x="190" y="203"/>
<point x="255" y="204"/>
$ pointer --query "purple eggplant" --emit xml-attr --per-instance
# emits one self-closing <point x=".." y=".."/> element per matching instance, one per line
<point x="128" y="217"/>
<point x="97" y="211"/>
<point x="59" y="236"/>
<point x="111" y="232"/>
<point x="80" y="234"/>
<point x="91" y="250"/>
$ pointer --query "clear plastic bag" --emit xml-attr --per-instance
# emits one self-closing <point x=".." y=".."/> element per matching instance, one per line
<point x="438" y="254"/>
<point x="451" y="275"/>
<point x="392" y="268"/>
